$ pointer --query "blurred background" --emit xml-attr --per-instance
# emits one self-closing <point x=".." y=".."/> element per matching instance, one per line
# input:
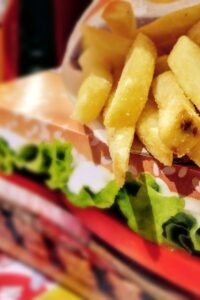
<point x="33" y="34"/>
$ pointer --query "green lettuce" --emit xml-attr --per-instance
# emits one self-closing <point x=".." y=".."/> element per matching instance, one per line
<point x="53" y="163"/>
<point x="7" y="157"/>
<point x="52" y="160"/>
<point x="61" y="165"/>
<point x="182" y="230"/>
<point x="34" y="158"/>
<point x="145" y="208"/>
<point x="103" y="199"/>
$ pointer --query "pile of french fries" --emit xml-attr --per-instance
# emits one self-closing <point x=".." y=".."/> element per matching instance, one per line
<point x="143" y="81"/>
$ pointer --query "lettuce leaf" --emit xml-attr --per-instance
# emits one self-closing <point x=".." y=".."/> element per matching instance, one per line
<point x="52" y="160"/>
<point x="103" y="199"/>
<point x="61" y="165"/>
<point x="182" y="230"/>
<point x="34" y="158"/>
<point x="148" y="180"/>
<point x="7" y="157"/>
<point x="54" y="163"/>
<point x="145" y="208"/>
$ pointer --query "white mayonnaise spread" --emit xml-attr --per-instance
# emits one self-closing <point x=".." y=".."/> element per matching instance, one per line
<point x="164" y="189"/>
<point x="191" y="205"/>
<point x="88" y="174"/>
<point x="14" y="140"/>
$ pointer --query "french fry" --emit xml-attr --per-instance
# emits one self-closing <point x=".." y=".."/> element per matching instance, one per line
<point x="161" y="64"/>
<point x="116" y="75"/>
<point x="165" y="30"/>
<point x="179" y="124"/>
<point x="92" y="95"/>
<point x="115" y="47"/>
<point x="194" y="154"/>
<point x="120" y="18"/>
<point x="95" y="88"/>
<point x="184" y="61"/>
<point x="148" y="133"/>
<point x="134" y="84"/>
<point x="194" y="33"/>
<point x="92" y="59"/>
<point x="120" y="141"/>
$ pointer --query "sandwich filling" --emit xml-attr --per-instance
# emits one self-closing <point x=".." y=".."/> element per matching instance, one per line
<point x="144" y="202"/>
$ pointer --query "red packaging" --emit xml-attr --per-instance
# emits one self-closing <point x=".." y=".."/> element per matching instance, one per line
<point x="9" y="34"/>
<point x="65" y="16"/>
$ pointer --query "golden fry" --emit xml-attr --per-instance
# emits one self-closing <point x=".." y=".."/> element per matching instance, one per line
<point x="165" y="30"/>
<point x="92" y="95"/>
<point x="120" y="142"/>
<point x="179" y="124"/>
<point x="134" y="84"/>
<point x="194" y="33"/>
<point x="161" y="64"/>
<point x="92" y="59"/>
<point x="115" y="47"/>
<point x="120" y="18"/>
<point x="148" y="132"/>
<point x="184" y="61"/>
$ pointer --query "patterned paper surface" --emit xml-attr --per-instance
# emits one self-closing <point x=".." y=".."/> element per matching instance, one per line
<point x="18" y="282"/>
